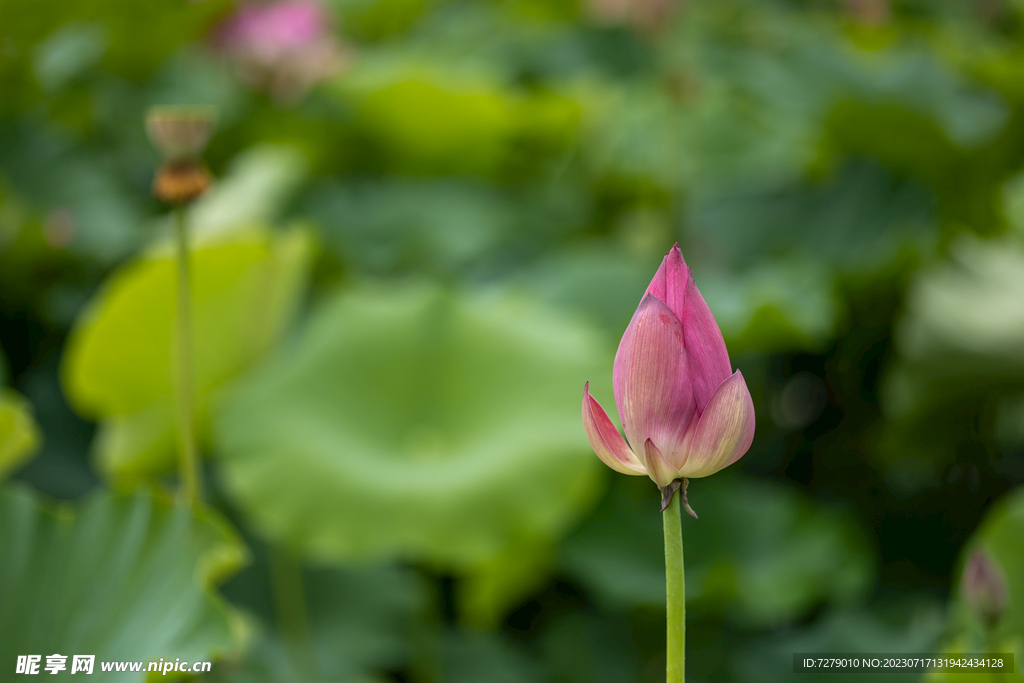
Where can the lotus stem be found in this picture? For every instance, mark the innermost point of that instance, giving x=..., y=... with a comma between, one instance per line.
x=675, y=654
x=290, y=605
x=188, y=460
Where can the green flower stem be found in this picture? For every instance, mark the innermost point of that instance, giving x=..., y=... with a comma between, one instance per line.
x=675, y=655
x=188, y=460
x=426, y=634
x=290, y=605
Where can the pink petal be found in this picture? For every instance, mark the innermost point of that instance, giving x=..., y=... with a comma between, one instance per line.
x=725, y=429
x=705, y=349
x=269, y=32
x=652, y=379
x=708, y=358
x=658, y=468
x=669, y=283
x=605, y=438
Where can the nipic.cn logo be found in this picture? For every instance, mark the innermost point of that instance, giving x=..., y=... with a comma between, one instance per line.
x=85, y=664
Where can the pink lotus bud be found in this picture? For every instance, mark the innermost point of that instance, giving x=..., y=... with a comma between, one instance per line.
x=284, y=47
x=684, y=411
x=983, y=587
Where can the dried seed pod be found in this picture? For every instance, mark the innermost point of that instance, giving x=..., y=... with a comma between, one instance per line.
x=180, y=182
x=181, y=133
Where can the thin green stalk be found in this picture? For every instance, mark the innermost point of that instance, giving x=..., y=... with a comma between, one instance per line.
x=188, y=459
x=427, y=633
x=290, y=605
x=675, y=668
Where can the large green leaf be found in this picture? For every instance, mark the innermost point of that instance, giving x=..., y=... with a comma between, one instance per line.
x=422, y=423
x=122, y=578
x=259, y=182
x=425, y=117
x=19, y=434
x=118, y=366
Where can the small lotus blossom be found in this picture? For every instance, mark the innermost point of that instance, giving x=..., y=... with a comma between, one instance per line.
x=983, y=587
x=685, y=413
x=284, y=47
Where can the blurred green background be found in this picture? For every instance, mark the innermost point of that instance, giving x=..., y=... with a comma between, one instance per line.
x=431, y=223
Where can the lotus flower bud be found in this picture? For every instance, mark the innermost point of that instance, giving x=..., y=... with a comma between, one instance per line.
x=983, y=587
x=685, y=413
x=181, y=134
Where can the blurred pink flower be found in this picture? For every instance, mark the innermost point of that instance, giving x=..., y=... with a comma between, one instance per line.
x=283, y=47
x=686, y=414
x=646, y=15
x=59, y=227
x=869, y=12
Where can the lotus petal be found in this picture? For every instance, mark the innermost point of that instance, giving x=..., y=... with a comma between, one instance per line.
x=605, y=438
x=651, y=377
x=705, y=348
x=670, y=282
x=724, y=431
x=658, y=467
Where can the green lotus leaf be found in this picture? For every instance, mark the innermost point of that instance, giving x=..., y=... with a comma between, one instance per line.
x=421, y=423
x=124, y=578
x=257, y=185
x=19, y=434
x=118, y=366
x=427, y=119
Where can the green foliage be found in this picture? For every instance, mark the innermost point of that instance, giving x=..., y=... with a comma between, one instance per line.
x=55, y=33
x=960, y=344
x=359, y=621
x=843, y=177
x=422, y=423
x=123, y=578
x=119, y=366
x=425, y=121
x=19, y=435
x=384, y=226
x=999, y=535
x=910, y=625
x=760, y=550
